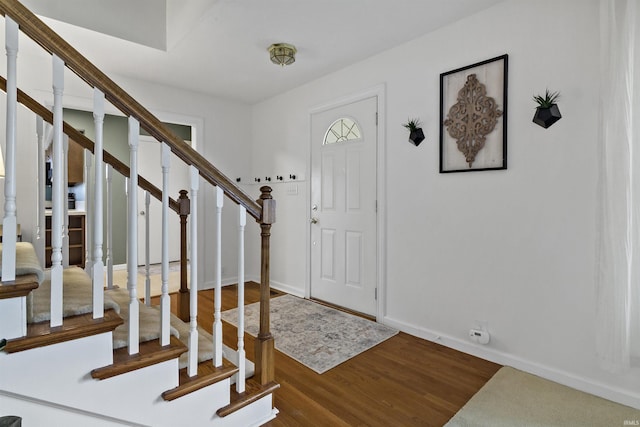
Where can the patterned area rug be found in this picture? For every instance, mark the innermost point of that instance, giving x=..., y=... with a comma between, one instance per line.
x=319, y=337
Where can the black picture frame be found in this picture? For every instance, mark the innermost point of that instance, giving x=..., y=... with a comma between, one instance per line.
x=493, y=74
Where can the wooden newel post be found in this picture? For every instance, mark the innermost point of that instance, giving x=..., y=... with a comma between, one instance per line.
x=183, y=295
x=265, y=357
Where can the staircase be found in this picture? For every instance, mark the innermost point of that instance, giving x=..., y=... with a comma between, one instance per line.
x=80, y=351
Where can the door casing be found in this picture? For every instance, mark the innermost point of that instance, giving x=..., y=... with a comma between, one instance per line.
x=379, y=93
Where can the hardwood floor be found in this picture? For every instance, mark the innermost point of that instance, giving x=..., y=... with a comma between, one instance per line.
x=404, y=381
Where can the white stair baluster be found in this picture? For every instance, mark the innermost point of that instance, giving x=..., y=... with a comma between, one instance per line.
x=9, y=223
x=97, y=271
x=109, y=256
x=58, y=196
x=192, y=368
x=132, y=238
x=240, y=379
x=147, y=250
x=217, y=323
x=89, y=206
x=165, y=301
x=65, y=217
x=39, y=242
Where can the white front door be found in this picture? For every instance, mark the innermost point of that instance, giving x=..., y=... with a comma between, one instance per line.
x=150, y=167
x=343, y=206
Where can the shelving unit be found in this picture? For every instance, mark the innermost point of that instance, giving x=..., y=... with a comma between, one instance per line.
x=75, y=162
x=76, y=240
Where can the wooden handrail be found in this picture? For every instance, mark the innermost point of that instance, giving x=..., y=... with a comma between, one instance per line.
x=39, y=32
x=85, y=142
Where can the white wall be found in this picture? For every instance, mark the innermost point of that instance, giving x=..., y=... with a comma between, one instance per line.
x=514, y=248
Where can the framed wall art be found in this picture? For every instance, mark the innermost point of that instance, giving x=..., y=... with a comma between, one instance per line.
x=473, y=117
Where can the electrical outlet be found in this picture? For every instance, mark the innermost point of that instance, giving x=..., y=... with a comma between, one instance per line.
x=480, y=332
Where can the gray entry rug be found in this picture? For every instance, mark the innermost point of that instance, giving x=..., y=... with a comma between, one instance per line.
x=516, y=398
x=319, y=337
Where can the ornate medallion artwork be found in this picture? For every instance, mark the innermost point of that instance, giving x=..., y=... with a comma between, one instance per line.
x=472, y=118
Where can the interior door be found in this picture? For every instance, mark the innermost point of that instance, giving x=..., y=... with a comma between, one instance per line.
x=150, y=167
x=343, y=206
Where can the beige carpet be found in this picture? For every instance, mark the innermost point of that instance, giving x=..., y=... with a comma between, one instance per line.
x=515, y=398
x=120, y=280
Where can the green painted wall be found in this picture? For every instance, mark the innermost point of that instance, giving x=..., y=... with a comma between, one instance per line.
x=115, y=142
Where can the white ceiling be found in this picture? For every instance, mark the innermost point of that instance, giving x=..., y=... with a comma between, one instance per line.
x=219, y=47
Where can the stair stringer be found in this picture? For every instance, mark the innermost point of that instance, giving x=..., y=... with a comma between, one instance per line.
x=59, y=374
x=35, y=412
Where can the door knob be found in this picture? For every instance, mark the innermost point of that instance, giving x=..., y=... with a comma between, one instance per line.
x=142, y=212
x=313, y=220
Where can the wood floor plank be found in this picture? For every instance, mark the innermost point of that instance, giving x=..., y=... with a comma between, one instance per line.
x=403, y=381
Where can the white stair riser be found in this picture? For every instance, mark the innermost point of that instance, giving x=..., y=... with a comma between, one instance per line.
x=13, y=317
x=60, y=374
x=36, y=412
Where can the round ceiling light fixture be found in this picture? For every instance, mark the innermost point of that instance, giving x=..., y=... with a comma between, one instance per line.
x=282, y=53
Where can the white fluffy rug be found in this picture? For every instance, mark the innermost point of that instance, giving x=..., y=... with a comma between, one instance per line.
x=120, y=280
x=319, y=337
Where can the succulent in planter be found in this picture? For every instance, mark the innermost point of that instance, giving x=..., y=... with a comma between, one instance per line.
x=416, y=135
x=547, y=112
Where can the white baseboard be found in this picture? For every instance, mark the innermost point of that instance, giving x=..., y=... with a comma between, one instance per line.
x=226, y=281
x=616, y=394
x=282, y=287
x=286, y=288
x=124, y=266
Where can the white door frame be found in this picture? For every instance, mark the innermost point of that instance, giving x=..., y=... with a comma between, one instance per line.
x=381, y=173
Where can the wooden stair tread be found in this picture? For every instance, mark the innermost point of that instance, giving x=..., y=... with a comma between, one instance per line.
x=74, y=327
x=207, y=375
x=20, y=287
x=150, y=353
x=253, y=392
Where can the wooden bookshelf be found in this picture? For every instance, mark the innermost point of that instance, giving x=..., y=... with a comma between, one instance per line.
x=76, y=240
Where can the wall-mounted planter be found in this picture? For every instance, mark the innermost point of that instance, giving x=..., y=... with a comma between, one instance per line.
x=547, y=112
x=545, y=117
x=416, y=136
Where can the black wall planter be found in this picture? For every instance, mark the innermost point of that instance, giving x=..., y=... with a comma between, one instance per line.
x=416, y=137
x=545, y=117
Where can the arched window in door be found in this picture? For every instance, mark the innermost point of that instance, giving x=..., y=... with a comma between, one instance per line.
x=343, y=129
